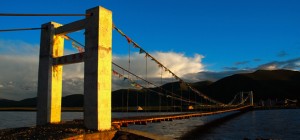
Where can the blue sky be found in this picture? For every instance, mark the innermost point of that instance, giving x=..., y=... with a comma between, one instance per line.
x=224, y=32
x=216, y=38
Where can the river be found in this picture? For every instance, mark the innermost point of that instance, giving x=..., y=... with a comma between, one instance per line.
x=267, y=124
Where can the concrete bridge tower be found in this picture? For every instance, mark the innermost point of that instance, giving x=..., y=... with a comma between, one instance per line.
x=97, y=69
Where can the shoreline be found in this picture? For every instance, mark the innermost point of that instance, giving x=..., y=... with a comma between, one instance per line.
x=80, y=109
x=70, y=130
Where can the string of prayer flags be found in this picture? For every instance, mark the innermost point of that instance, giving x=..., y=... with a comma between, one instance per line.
x=133, y=83
x=141, y=51
x=80, y=49
x=119, y=31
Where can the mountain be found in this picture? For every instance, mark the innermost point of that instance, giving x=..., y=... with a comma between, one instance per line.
x=265, y=84
x=75, y=100
x=6, y=103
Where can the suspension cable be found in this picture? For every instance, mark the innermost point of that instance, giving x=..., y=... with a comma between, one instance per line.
x=16, y=14
x=147, y=82
x=160, y=64
x=166, y=91
x=20, y=29
x=159, y=93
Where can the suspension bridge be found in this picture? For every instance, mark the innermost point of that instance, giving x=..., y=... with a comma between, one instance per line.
x=99, y=70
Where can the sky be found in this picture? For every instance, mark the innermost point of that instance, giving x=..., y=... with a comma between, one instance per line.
x=198, y=40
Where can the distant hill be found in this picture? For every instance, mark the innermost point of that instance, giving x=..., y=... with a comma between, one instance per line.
x=265, y=84
x=7, y=103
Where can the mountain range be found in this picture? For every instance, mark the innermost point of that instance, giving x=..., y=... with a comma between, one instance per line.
x=265, y=84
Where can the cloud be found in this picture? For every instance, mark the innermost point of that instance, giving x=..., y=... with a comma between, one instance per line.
x=241, y=63
x=292, y=64
x=19, y=69
x=230, y=68
x=176, y=62
x=282, y=54
x=211, y=75
x=256, y=60
x=15, y=47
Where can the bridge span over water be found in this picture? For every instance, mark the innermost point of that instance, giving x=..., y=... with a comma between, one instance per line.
x=99, y=68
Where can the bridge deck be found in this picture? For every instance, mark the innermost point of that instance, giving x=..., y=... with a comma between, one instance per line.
x=143, y=120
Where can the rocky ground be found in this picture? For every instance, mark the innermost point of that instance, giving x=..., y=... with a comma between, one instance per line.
x=65, y=130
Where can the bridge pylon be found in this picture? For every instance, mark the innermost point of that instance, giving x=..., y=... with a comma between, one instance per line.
x=97, y=69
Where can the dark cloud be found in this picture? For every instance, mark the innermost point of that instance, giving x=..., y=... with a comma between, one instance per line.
x=230, y=68
x=282, y=54
x=256, y=60
x=241, y=63
x=212, y=76
x=292, y=64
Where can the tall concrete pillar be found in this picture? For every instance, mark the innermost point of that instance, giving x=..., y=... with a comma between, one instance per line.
x=97, y=69
x=49, y=94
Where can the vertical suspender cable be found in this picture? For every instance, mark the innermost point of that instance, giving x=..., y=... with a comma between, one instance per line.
x=137, y=101
x=128, y=76
x=181, y=96
x=147, y=80
x=161, y=70
x=123, y=105
x=172, y=101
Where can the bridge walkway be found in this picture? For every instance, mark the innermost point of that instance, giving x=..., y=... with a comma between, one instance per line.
x=143, y=120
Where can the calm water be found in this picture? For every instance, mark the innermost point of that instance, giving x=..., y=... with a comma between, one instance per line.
x=271, y=124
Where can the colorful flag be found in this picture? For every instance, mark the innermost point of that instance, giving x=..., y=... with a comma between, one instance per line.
x=80, y=49
x=128, y=39
x=135, y=45
x=115, y=73
x=142, y=51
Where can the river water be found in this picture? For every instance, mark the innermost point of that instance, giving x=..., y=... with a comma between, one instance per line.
x=267, y=124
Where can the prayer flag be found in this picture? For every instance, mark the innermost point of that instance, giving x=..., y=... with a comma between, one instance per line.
x=128, y=39
x=142, y=51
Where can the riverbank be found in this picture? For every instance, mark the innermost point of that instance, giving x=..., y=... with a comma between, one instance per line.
x=80, y=109
x=75, y=129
